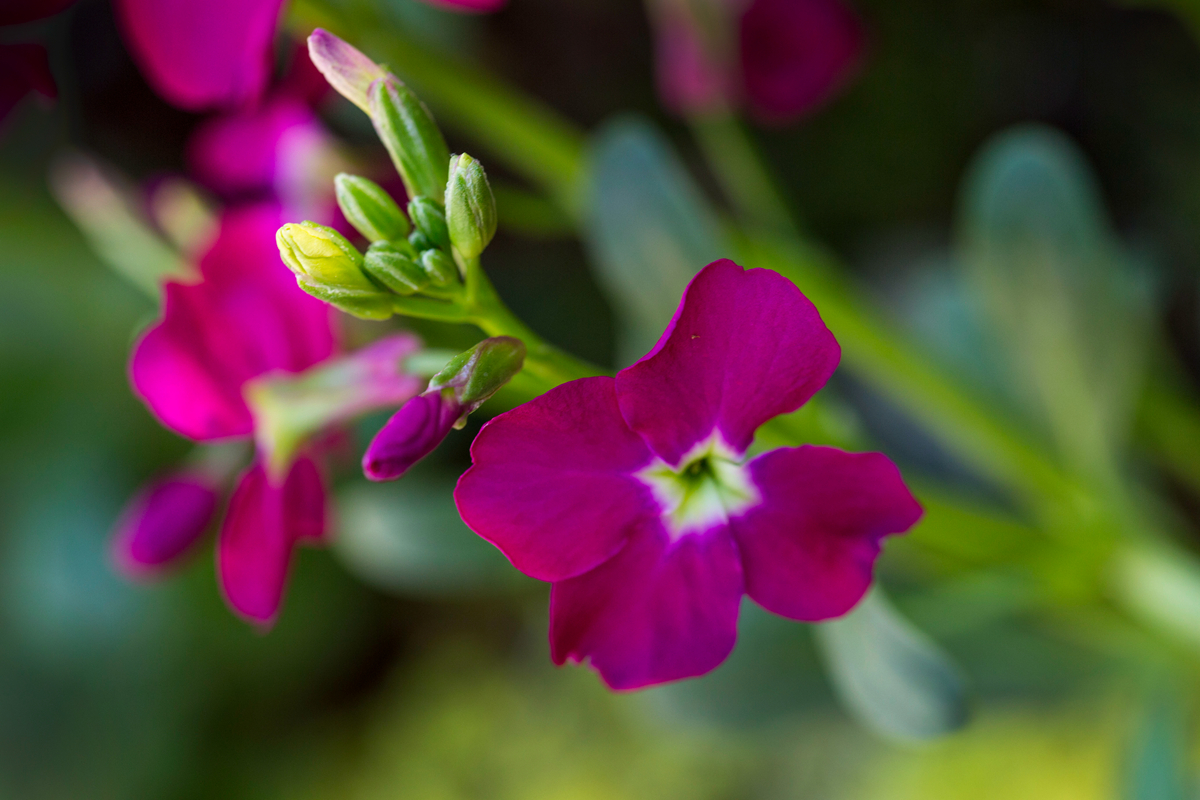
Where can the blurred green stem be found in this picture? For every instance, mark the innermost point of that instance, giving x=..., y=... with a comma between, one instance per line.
x=735, y=160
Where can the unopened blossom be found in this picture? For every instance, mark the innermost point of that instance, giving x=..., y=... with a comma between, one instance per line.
x=634, y=497
x=245, y=325
x=202, y=54
x=780, y=58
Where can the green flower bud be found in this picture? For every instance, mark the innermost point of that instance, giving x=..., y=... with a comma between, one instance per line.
x=370, y=209
x=439, y=267
x=470, y=207
x=321, y=255
x=395, y=268
x=476, y=375
x=362, y=303
x=430, y=220
x=411, y=137
x=420, y=242
x=327, y=266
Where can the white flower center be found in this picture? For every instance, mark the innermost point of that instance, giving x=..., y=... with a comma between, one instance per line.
x=709, y=486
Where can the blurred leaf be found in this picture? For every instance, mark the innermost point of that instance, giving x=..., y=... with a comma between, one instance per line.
x=407, y=537
x=1161, y=587
x=649, y=228
x=1060, y=294
x=108, y=216
x=890, y=674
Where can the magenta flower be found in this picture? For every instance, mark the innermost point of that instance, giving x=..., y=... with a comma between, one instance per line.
x=786, y=58
x=240, y=331
x=278, y=150
x=633, y=497
x=245, y=318
x=24, y=68
x=202, y=54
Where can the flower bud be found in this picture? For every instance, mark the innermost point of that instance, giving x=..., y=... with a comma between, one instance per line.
x=327, y=266
x=430, y=221
x=395, y=268
x=477, y=374
x=163, y=522
x=348, y=71
x=412, y=433
x=440, y=268
x=470, y=207
x=422, y=423
x=420, y=242
x=411, y=137
x=370, y=209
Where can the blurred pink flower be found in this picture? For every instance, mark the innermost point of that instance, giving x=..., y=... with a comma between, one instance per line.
x=784, y=58
x=202, y=54
x=244, y=320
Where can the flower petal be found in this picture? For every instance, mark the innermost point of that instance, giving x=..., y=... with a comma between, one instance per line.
x=551, y=482
x=743, y=347
x=304, y=500
x=242, y=153
x=808, y=549
x=655, y=612
x=201, y=54
x=162, y=523
x=262, y=525
x=246, y=317
x=796, y=54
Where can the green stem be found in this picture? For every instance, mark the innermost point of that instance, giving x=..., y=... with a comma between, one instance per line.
x=738, y=167
x=550, y=365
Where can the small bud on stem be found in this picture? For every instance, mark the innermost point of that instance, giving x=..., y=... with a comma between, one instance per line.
x=411, y=137
x=370, y=209
x=470, y=207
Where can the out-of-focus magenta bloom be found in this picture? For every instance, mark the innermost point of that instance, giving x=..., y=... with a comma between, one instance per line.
x=24, y=68
x=789, y=57
x=244, y=320
x=246, y=317
x=163, y=522
x=470, y=6
x=278, y=150
x=202, y=54
x=18, y=12
x=265, y=521
x=632, y=496
x=412, y=433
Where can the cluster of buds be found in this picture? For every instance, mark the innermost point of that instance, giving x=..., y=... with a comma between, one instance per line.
x=451, y=215
x=423, y=262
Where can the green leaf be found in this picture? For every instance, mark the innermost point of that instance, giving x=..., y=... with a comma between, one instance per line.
x=1059, y=292
x=649, y=229
x=890, y=675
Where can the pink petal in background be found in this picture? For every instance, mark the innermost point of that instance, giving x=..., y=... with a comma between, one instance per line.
x=202, y=54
